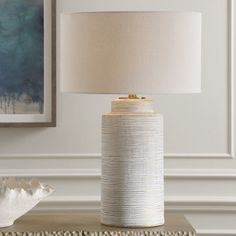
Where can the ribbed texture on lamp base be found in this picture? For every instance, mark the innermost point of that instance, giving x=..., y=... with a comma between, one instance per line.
x=132, y=166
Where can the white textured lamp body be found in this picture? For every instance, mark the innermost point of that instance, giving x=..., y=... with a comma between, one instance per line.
x=132, y=165
x=131, y=53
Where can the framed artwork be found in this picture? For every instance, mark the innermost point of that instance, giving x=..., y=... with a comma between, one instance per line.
x=27, y=63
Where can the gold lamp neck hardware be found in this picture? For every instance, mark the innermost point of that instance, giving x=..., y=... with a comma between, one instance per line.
x=132, y=96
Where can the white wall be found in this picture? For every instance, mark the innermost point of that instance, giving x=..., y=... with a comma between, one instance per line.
x=199, y=131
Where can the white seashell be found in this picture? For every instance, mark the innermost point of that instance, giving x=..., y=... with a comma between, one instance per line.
x=18, y=197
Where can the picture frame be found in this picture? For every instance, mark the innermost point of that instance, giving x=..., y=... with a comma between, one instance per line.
x=28, y=73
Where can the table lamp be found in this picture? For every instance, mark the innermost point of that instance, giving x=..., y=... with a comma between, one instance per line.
x=131, y=53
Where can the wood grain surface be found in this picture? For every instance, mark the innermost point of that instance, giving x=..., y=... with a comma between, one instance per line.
x=73, y=223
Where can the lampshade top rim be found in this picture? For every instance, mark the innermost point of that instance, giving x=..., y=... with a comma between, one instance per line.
x=131, y=12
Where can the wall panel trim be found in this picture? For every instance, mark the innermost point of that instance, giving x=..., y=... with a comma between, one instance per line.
x=181, y=204
x=88, y=156
x=231, y=74
x=96, y=173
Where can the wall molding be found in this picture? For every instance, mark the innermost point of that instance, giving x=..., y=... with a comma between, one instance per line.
x=39, y=156
x=231, y=75
x=213, y=232
x=201, y=173
x=172, y=204
x=96, y=173
x=89, y=156
x=53, y=173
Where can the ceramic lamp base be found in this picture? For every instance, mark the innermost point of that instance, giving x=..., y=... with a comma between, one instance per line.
x=132, y=165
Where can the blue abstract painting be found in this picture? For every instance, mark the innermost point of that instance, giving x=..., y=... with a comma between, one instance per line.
x=21, y=56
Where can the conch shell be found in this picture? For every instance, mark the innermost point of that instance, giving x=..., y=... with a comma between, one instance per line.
x=18, y=197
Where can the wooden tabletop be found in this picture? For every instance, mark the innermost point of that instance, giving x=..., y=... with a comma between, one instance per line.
x=74, y=224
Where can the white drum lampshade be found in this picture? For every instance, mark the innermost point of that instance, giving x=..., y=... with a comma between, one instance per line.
x=131, y=53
